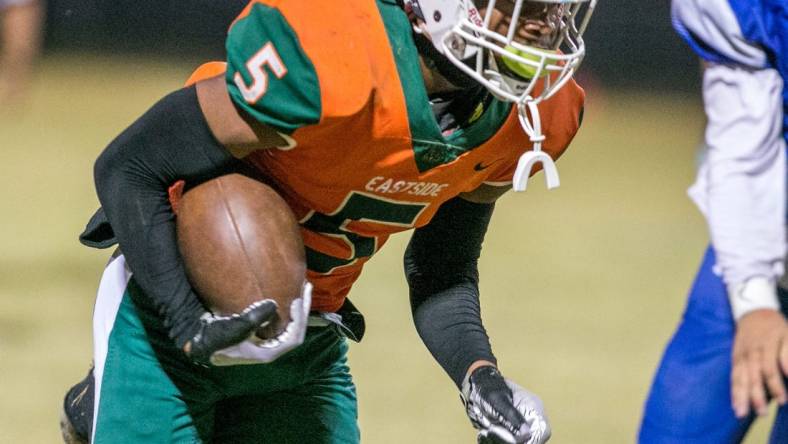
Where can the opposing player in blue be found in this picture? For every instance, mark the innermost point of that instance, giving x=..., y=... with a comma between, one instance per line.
x=729, y=357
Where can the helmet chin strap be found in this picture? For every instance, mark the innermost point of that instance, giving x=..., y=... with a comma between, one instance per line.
x=533, y=127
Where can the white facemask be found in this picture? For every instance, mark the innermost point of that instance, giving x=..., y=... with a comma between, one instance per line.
x=523, y=70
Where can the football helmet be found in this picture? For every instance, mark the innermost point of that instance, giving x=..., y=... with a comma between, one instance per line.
x=522, y=51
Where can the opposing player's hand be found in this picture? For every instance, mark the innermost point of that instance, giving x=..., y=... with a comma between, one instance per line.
x=253, y=350
x=502, y=411
x=760, y=361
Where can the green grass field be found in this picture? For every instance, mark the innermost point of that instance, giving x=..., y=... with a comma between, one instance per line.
x=581, y=286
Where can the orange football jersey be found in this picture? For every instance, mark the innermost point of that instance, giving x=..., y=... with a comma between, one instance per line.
x=366, y=156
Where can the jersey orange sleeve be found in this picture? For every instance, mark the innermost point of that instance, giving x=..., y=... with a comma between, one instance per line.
x=206, y=71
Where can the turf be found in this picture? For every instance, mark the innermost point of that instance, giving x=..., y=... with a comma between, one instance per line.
x=581, y=286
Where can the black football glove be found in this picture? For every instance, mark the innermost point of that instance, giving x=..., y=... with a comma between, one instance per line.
x=219, y=332
x=502, y=411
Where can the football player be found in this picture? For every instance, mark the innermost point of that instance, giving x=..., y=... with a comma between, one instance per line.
x=369, y=118
x=20, y=39
x=729, y=356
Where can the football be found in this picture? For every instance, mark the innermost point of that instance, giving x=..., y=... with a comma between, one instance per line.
x=241, y=243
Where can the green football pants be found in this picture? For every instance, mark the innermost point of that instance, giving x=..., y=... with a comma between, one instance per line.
x=148, y=392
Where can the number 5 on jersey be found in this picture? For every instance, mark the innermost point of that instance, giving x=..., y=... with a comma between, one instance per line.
x=256, y=64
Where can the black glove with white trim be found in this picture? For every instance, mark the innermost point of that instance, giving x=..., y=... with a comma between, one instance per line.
x=219, y=332
x=502, y=411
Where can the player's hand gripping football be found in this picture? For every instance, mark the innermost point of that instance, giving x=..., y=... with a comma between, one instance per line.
x=760, y=361
x=230, y=340
x=502, y=411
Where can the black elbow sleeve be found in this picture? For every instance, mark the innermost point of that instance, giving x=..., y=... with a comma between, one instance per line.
x=441, y=269
x=170, y=142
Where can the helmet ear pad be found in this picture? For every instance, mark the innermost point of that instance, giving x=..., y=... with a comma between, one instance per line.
x=446, y=68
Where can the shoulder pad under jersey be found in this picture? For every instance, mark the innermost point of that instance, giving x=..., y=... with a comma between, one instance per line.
x=292, y=63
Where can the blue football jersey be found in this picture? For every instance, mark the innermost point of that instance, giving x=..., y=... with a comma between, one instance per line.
x=751, y=33
x=740, y=188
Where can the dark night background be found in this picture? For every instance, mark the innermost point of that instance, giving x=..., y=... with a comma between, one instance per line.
x=627, y=46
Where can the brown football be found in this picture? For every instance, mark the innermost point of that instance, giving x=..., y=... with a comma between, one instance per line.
x=241, y=243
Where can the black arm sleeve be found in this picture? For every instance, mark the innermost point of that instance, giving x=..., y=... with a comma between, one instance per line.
x=170, y=142
x=441, y=268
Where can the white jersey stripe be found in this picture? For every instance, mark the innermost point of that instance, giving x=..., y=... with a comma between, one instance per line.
x=110, y=294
